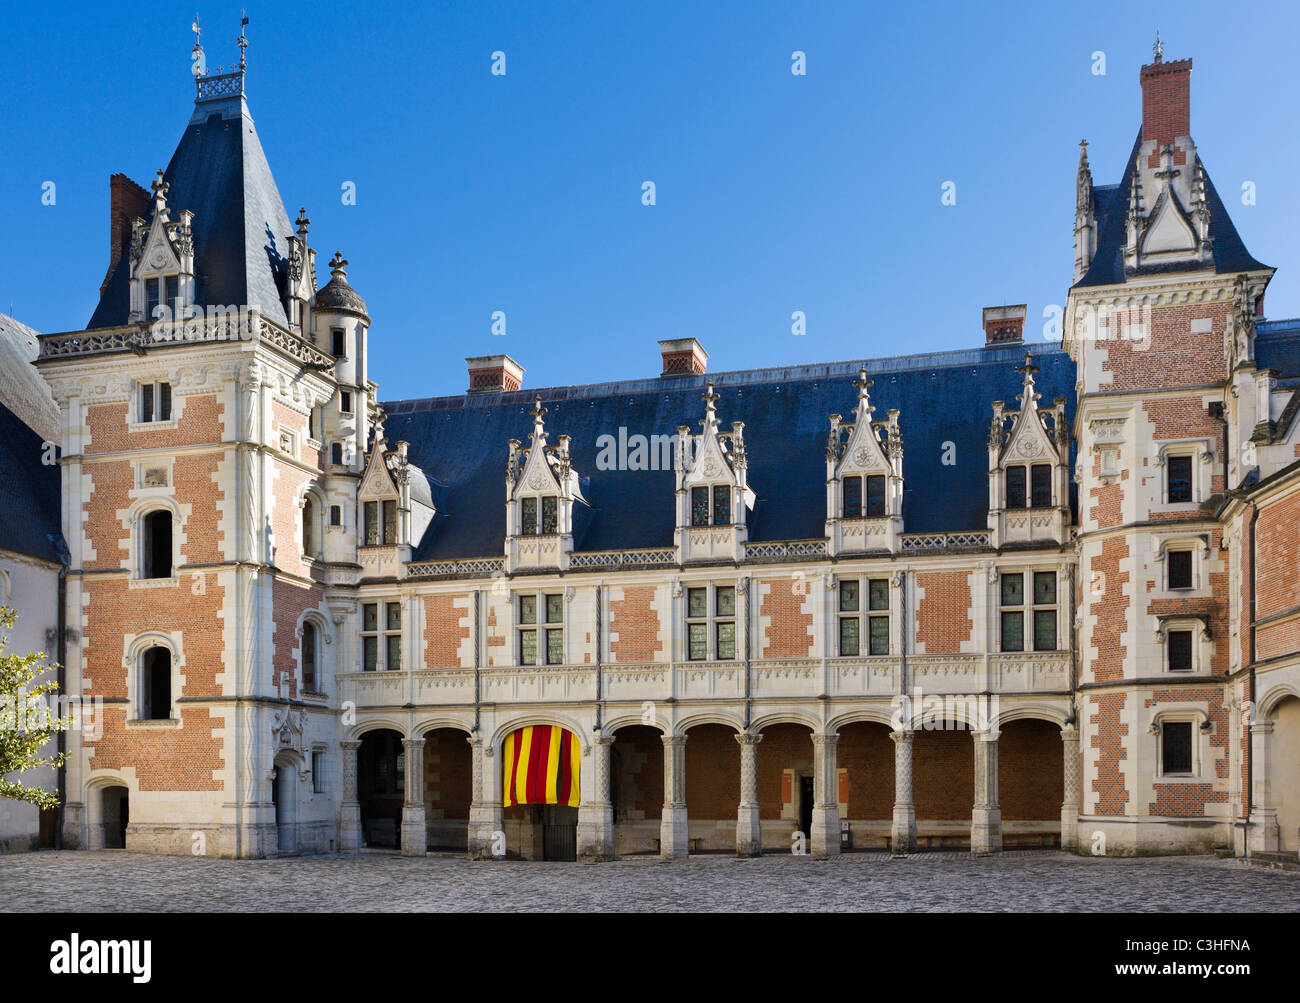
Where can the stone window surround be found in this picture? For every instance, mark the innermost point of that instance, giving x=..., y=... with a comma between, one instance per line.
x=540, y=626
x=1197, y=449
x=864, y=612
x=1199, y=545
x=1183, y=712
x=320, y=511
x=152, y=500
x=381, y=632
x=324, y=639
x=711, y=619
x=1202, y=637
x=1027, y=607
x=133, y=402
x=134, y=647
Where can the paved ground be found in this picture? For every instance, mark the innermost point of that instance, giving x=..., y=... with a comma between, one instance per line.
x=113, y=881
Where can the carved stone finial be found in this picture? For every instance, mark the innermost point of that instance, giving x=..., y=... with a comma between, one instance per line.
x=302, y=222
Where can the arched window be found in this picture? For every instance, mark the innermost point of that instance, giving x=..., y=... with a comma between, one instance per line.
x=309, y=657
x=308, y=527
x=157, y=540
x=156, y=684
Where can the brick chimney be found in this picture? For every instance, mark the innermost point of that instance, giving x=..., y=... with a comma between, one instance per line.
x=683, y=356
x=1166, y=101
x=1004, y=325
x=126, y=201
x=499, y=373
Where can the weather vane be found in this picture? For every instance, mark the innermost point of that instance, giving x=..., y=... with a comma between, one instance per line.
x=197, y=52
x=243, y=40
x=1158, y=49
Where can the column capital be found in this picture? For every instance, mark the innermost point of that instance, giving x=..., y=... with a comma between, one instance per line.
x=673, y=740
x=1069, y=733
x=748, y=737
x=349, y=745
x=413, y=743
x=1261, y=727
x=824, y=739
x=987, y=735
x=602, y=738
x=898, y=737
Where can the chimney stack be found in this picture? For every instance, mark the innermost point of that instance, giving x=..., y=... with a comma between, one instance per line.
x=1166, y=101
x=683, y=356
x=126, y=201
x=494, y=373
x=1004, y=325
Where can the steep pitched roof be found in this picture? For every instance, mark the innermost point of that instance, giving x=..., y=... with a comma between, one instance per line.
x=30, y=493
x=1110, y=207
x=22, y=389
x=220, y=173
x=460, y=442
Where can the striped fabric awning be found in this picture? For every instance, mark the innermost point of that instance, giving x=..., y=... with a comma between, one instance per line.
x=541, y=766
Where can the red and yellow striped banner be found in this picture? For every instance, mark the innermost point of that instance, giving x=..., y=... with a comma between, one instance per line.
x=541, y=766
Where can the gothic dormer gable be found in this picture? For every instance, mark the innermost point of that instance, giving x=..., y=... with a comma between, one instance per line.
x=1168, y=229
x=378, y=481
x=1029, y=437
x=541, y=488
x=857, y=447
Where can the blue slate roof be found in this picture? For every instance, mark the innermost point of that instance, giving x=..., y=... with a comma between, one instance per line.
x=220, y=173
x=30, y=498
x=460, y=443
x=1277, y=346
x=1110, y=206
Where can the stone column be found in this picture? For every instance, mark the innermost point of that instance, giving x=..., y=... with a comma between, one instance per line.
x=674, y=835
x=749, y=830
x=1265, y=831
x=350, y=835
x=903, y=831
x=487, y=838
x=415, y=833
x=825, y=835
x=986, y=816
x=1070, y=802
x=595, y=812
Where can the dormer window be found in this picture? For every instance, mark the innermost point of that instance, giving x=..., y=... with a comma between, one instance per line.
x=711, y=507
x=380, y=531
x=550, y=509
x=1039, y=484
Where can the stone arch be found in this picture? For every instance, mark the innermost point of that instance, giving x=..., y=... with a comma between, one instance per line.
x=107, y=801
x=636, y=782
x=288, y=766
x=370, y=724
x=447, y=784
x=1035, y=712
x=860, y=716
x=1031, y=776
x=325, y=638
x=1284, y=765
x=138, y=520
x=723, y=718
x=381, y=784
x=1269, y=702
x=865, y=761
x=786, y=717
x=135, y=649
x=422, y=729
x=634, y=720
x=544, y=719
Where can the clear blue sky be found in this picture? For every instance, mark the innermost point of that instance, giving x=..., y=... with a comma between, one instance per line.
x=775, y=192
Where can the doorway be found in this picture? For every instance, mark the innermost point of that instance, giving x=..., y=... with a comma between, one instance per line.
x=559, y=832
x=115, y=809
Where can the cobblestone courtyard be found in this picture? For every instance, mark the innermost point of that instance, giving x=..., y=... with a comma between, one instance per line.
x=115, y=881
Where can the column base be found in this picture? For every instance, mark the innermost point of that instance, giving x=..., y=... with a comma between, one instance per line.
x=415, y=832
x=1265, y=834
x=73, y=825
x=749, y=832
x=487, y=836
x=350, y=836
x=596, y=832
x=674, y=840
x=825, y=836
x=1070, y=829
x=902, y=833
x=986, y=830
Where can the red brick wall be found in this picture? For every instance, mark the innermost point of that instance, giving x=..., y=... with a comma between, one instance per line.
x=867, y=753
x=943, y=775
x=289, y=600
x=784, y=747
x=712, y=772
x=1166, y=102
x=199, y=423
x=1031, y=771
x=1189, y=800
x=944, y=611
x=446, y=625
x=1110, y=611
x=1171, y=356
x=636, y=624
x=1110, y=786
x=788, y=632
x=1277, y=534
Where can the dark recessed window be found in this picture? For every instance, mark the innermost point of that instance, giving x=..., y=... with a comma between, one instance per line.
x=1041, y=485
x=1180, y=569
x=721, y=505
x=158, y=544
x=1015, y=487
x=309, y=657
x=852, y=497
x=156, y=668
x=1179, y=643
x=345, y=401
x=1180, y=478
x=336, y=515
x=550, y=515
x=1176, y=747
x=338, y=343
x=699, y=506
x=875, y=497
x=336, y=453
x=156, y=402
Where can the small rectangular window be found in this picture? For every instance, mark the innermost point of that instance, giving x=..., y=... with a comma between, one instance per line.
x=338, y=343
x=528, y=517
x=1041, y=485
x=555, y=609
x=879, y=627
x=1180, y=569
x=1013, y=590
x=1044, y=588
x=336, y=453
x=174, y=295
x=370, y=616
x=726, y=601
x=528, y=647
x=393, y=653
x=1180, y=478
x=699, y=506
x=336, y=515
x=318, y=772
x=345, y=401
x=1015, y=487
x=697, y=602
x=875, y=497
x=721, y=505
x=371, y=510
x=698, y=636
x=1013, y=630
x=390, y=522
x=146, y=402
x=1176, y=747
x=528, y=609
x=726, y=641
x=1044, y=630
x=852, y=497
x=151, y=298
x=878, y=595
x=550, y=515
x=849, y=597
x=848, y=635
x=1179, y=643
x=370, y=652
x=155, y=402
x=555, y=647
x=393, y=616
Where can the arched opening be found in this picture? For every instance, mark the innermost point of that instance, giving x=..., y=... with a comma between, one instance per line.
x=156, y=684
x=865, y=785
x=1031, y=782
x=943, y=784
x=115, y=815
x=309, y=527
x=1284, y=763
x=381, y=786
x=712, y=786
x=636, y=788
x=448, y=778
x=157, y=540
x=284, y=795
x=785, y=785
x=540, y=766
x=309, y=676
